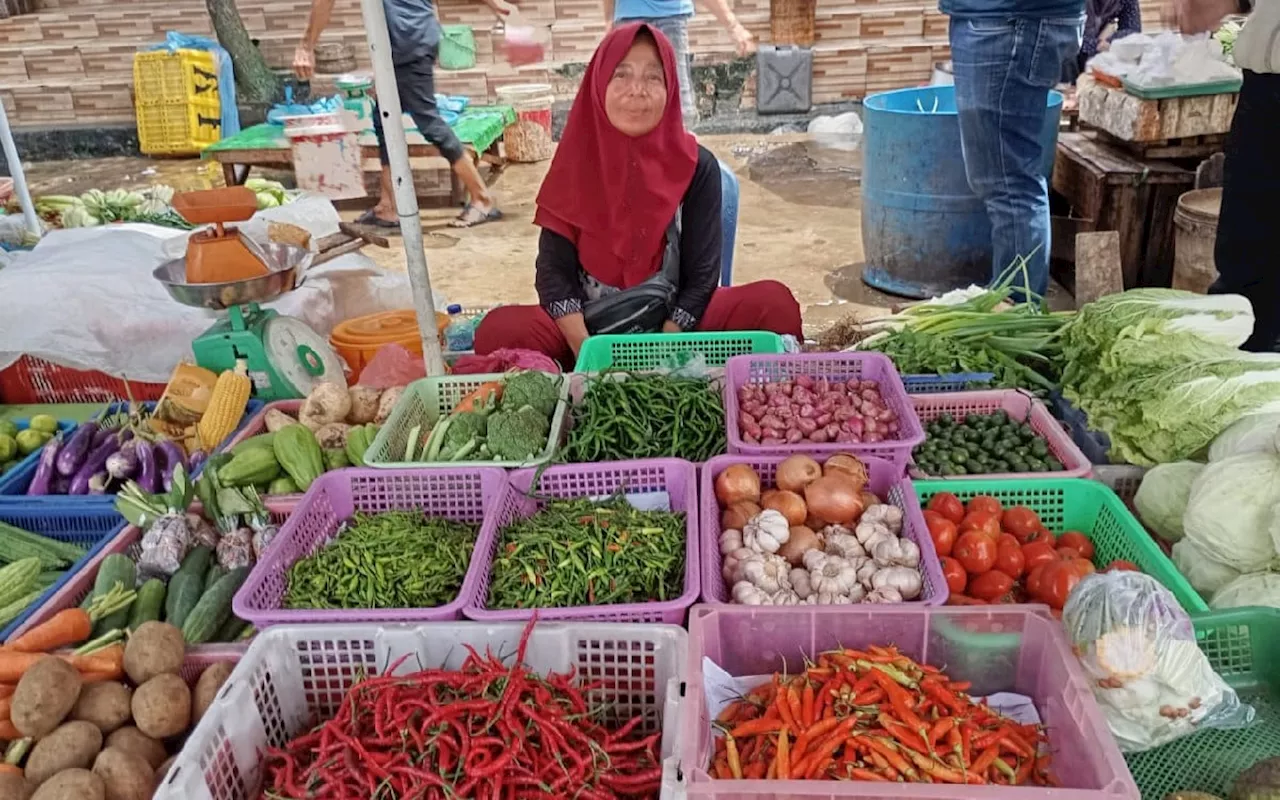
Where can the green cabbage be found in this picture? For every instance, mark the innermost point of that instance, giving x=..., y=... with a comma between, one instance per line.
x=1254, y=433
x=1204, y=574
x=1231, y=514
x=1162, y=497
x=1254, y=589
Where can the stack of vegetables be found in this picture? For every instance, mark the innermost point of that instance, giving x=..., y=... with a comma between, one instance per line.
x=803, y=410
x=31, y=564
x=625, y=415
x=507, y=420
x=982, y=444
x=16, y=445
x=101, y=720
x=152, y=205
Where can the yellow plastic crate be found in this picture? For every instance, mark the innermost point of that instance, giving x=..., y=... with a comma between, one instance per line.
x=178, y=129
x=181, y=76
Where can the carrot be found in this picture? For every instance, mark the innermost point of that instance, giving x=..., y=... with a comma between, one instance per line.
x=9, y=733
x=479, y=397
x=67, y=627
x=107, y=661
x=10, y=769
x=13, y=665
x=7, y=689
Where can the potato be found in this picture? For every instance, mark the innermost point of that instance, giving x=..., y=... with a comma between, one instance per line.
x=70, y=746
x=163, y=772
x=45, y=695
x=333, y=435
x=72, y=784
x=162, y=706
x=135, y=741
x=13, y=786
x=207, y=688
x=364, y=404
x=125, y=776
x=328, y=402
x=277, y=419
x=155, y=648
x=105, y=704
x=387, y=403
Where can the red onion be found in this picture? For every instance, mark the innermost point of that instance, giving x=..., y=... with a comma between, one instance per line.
x=819, y=410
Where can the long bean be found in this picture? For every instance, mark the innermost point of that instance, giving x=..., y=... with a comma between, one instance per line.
x=396, y=559
x=625, y=416
x=582, y=552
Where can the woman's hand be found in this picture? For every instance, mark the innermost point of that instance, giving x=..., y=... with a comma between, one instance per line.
x=671, y=327
x=574, y=328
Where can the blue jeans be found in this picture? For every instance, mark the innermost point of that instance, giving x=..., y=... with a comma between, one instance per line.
x=1004, y=69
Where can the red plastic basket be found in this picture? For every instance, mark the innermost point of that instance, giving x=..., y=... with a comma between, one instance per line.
x=31, y=380
x=677, y=478
x=457, y=494
x=751, y=369
x=1021, y=407
x=1028, y=655
x=884, y=480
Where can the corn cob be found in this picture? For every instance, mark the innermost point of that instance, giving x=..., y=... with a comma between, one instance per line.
x=226, y=406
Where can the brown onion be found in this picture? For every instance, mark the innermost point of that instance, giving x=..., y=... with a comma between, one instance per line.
x=796, y=473
x=843, y=464
x=802, y=540
x=833, y=500
x=738, y=515
x=868, y=499
x=736, y=484
x=789, y=504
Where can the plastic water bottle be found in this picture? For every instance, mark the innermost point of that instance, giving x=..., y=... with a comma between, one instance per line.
x=460, y=334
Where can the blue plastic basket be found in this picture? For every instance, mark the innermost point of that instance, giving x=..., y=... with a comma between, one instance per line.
x=90, y=526
x=951, y=382
x=13, y=475
x=1094, y=444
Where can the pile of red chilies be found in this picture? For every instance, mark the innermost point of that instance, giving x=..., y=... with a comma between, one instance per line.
x=487, y=731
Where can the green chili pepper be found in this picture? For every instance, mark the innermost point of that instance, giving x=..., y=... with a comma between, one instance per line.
x=625, y=416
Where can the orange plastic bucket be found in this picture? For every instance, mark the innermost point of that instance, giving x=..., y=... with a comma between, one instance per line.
x=357, y=340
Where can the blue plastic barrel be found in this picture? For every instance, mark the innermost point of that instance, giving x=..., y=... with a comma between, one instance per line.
x=924, y=232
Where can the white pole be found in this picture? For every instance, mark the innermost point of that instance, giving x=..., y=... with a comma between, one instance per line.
x=384, y=81
x=19, y=178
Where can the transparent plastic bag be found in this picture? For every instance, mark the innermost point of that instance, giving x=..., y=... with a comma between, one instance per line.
x=392, y=365
x=1138, y=650
x=164, y=545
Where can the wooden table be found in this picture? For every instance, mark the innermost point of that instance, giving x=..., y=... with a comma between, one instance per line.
x=1110, y=189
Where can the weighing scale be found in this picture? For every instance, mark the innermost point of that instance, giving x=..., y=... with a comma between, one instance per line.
x=286, y=358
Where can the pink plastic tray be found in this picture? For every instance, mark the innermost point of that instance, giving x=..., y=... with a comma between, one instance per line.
x=1019, y=649
x=885, y=481
x=742, y=370
x=257, y=425
x=677, y=478
x=458, y=494
x=1020, y=406
x=127, y=541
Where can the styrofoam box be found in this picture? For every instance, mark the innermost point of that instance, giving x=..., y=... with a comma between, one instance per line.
x=293, y=676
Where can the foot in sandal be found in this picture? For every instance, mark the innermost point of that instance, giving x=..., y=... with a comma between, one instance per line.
x=476, y=213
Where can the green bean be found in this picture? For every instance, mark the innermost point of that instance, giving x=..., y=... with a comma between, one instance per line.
x=625, y=416
x=588, y=553
x=396, y=559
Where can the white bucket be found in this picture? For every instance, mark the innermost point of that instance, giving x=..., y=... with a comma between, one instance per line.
x=326, y=155
x=529, y=139
x=942, y=75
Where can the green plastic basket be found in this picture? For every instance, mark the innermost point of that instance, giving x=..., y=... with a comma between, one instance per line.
x=430, y=399
x=647, y=351
x=1243, y=646
x=1086, y=506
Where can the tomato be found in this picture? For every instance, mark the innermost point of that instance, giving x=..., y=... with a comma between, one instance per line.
x=964, y=600
x=1059, y=578
x=976, y=552
x=1067, y=552
x=1009, y=557
x=1038, y=535
x=1077, y=541
x=955, y=574
x=1119, y=565
x=1036, y=553
x=943, y=533
x=1020, y=521
x=983, y=522
x=1034, y=579
x=985, y=502
x=990, y=586
x=948, y=505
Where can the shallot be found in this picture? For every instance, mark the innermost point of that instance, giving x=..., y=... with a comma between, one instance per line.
x=815, y=410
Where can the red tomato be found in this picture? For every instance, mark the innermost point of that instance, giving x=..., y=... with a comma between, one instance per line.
x=1009, y=557
x=948, y=505
x=1120, y=564
x=955, y=574
x=1060, y=578
x=990, y=586
x=964, y=600
x=1021, y=521
x=1036, y=553
x=985, y=502
x=1077, y=541
x=943, y=533
x=1033, y=582
x=1038, y=535
x=975, y=551
x=983, y=522
x=1067, y=552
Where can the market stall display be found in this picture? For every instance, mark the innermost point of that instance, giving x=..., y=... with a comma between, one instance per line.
x=638, y=353
x=21, y=441
x=663, y=416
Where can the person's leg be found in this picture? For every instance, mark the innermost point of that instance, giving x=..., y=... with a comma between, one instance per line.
x=759, y=306
x=526, y=328
x=1246, y=239
x=382, y=215
x=1003, y=72
x=677, y=30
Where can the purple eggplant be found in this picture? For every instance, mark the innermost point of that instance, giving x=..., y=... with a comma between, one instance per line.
x=60, y=484
x=77, y=448
x=148, y=475
x=168, y=456
x=123, y=463
x=101, y=435
x=95, y=462
x=196, y=461
x=42, y=482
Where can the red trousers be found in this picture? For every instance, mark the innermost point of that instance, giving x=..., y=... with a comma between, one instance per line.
x=759, y=306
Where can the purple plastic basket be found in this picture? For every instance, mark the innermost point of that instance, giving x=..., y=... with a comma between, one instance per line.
x=457, y=494
x=884, y=479
x=677, y=478
x=1028, y=653
x=753, y=369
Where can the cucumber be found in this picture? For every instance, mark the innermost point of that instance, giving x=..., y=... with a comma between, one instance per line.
x=186, y=585
x=149, y=603
x=230, y=630
x=115, y=569
x=211, y=576
x=214, y=608
x=196, y=561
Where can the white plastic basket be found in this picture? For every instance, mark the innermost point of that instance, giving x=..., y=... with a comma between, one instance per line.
x=295, y=676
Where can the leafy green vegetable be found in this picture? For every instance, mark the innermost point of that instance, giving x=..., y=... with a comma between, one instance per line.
x=924, y=354
x=1161, y=500
x=464, y=427
x=518, y=435
x=1232, y=515
x=530, y=388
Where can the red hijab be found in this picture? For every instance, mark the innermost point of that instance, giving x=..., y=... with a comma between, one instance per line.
x=614, y=195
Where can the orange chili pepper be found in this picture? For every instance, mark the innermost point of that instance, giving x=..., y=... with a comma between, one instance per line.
x=784, y=711
x=754, y=771
x=861, y=774
x=984, y=761
x=735, y=764
x=756, y=727
x=782, y=760
x=893, y=757
x=806, y=704
x=940, y=729
x=939, y=772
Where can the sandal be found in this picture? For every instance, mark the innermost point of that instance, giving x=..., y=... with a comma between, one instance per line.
x=372, y=220
x=473, y=215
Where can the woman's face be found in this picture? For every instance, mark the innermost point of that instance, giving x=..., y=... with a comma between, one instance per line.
x=637, y=91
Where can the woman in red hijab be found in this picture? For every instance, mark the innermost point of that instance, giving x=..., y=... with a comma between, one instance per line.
x=630, y=218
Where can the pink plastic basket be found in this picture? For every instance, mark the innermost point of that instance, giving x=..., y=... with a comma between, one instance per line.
x=752, y=369
x=677, y=478
x=257, y=425
x=128, y=542
x=1021, y=407
x=1027, y=653
x=458, y=494
x=884, y=480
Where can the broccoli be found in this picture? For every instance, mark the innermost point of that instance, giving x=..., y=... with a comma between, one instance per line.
x=517, y=435
x=464, y=428
x=531, y=388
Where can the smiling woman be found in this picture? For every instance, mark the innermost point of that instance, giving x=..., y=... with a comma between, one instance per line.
x=630, y=212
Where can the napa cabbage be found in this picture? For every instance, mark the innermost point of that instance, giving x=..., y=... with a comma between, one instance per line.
x=1254, y=433
x=1231, y=515
x=1204, y=574
x=1254, y=589
x=1162, y=498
